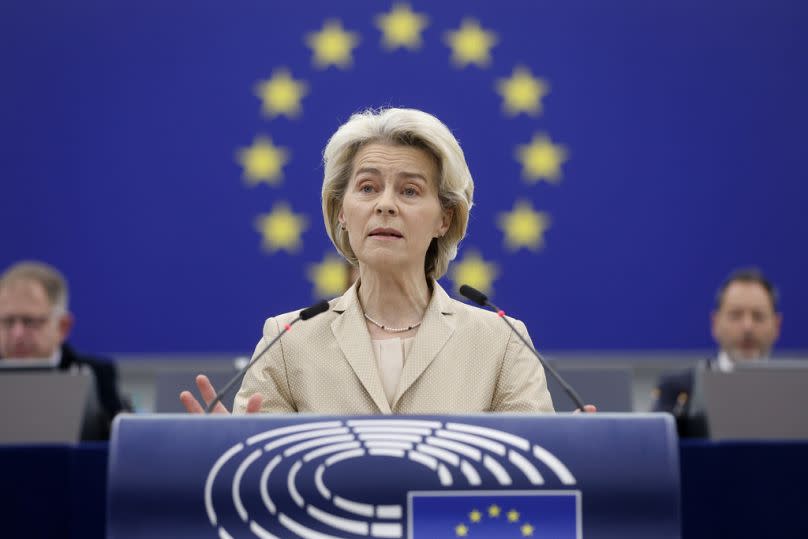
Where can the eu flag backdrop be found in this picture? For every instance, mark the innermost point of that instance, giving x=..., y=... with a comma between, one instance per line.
x=626, y=155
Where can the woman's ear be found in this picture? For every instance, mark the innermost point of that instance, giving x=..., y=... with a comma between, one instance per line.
x=446, y=221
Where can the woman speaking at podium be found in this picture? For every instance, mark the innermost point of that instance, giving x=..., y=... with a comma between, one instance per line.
x=396, y=198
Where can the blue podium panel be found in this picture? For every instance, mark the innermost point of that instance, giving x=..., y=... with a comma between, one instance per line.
x=319, y=477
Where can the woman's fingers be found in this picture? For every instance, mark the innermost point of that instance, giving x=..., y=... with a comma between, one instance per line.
x=254, y=403
x=192, y=405
x=588, y=409
x=209, y=393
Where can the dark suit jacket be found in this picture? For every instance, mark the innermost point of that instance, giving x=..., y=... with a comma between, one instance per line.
x=674, y=394
x=98, y=420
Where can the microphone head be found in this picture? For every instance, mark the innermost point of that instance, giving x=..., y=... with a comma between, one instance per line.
x=474, y=295
x=314, y=310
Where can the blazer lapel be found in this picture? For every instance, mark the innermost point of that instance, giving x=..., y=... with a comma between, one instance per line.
x=351, y=333
x=436, y=328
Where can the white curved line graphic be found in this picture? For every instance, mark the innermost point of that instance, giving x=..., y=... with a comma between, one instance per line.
x=293, y=428
x=497, y=470
x=444, y=475
x=261, y=532
x=271, y=446
x=212, y=476
x=265, y=482
x=383, y=529
x=554, y=464
x=386, y=453
x=344, y=455
x=467, y=448
x=471, y=473
x=361, y=509
x=388, y=511
x=442, y=454
x=303, y=531
x=390, y=437
x=457, y=447
x=527, y=468
x=290, y=484
x=327, y=440
x=426, y=460
x=345, y=524
x=235, y=487
x=329, y=449
x=506, y=437
x=485, y=443
x=395, y=423
x=318, y=481
x=406, y=446
x=393, y=430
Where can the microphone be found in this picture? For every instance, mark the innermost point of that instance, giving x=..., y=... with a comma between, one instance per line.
x=305, y=314
x=481, y=299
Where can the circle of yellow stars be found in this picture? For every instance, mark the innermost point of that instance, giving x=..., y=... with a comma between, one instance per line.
x=493, y=512
x=333, y=45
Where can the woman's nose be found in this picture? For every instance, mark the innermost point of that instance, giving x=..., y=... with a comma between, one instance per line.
x=386, y=204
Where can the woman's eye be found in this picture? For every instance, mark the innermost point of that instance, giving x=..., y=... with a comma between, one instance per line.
x=410, y=191
x=366, y=188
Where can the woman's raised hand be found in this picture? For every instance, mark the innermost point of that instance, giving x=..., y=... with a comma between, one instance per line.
x=208, y=393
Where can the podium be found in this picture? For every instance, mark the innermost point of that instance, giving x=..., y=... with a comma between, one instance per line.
x=321, y=477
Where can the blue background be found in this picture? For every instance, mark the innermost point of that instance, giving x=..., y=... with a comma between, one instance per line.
x=685, y=123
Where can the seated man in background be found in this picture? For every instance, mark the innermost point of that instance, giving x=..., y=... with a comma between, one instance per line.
x=745, y=324
x=34, y=325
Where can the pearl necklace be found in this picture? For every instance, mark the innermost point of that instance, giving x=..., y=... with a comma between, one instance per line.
x=391, y=330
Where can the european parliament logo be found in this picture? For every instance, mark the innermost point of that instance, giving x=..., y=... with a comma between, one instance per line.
x=433, y=479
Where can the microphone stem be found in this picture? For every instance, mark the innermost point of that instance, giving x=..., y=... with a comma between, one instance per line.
x=564, y=385
x=220, y=395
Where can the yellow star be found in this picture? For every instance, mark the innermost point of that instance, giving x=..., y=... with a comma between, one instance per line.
x=281, y=94
x=330, y=277
x=461, y=530
x=475, y=516
x=401, y=27
x=513, y=515
x=262, y=161
x=475, y=272
x=471, y=44
x=332, y=45
x=541, y=159
x=281, y=228
x=527, y=530
x=494, y=511
x=522, y=92
x=524, y=227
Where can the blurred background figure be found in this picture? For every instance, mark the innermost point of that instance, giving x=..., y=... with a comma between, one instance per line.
x=34, y=325
x=745, y=325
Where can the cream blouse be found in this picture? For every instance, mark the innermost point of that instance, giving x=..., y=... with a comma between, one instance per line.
x=390, y=355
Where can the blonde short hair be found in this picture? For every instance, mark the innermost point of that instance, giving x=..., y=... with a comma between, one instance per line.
x=50, y=278
x=407, y=127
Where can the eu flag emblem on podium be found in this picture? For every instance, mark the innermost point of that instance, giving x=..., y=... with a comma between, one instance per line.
x=492, y=514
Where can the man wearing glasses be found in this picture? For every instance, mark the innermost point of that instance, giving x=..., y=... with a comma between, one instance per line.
x=34, y=325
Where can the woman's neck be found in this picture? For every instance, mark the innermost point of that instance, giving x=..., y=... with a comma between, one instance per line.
x=396, y=301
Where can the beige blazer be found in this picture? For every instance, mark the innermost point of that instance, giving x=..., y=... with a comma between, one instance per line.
x=463, y=360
